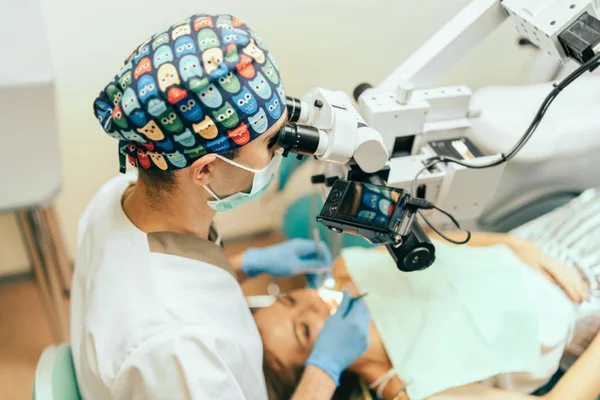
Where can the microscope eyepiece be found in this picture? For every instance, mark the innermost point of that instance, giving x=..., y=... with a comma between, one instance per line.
x=299, y=139
x=294, y=108
x=360, y=89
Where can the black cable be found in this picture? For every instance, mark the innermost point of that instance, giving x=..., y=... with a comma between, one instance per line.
x=431, y=205
x=592, y=63
x=453, y=221
x=537, y=119
x=428, y=165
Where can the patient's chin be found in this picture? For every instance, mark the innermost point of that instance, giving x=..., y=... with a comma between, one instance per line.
x=374, y=356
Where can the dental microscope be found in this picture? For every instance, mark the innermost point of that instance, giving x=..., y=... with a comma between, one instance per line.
x=403, y=148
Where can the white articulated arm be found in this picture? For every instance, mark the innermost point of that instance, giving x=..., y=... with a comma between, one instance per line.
x=448, y=46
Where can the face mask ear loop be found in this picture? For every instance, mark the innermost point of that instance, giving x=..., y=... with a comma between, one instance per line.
x=238, y=165
x=210, y=192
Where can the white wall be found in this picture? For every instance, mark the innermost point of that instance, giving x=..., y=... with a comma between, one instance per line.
x=22, y=22
x=25, y=91
x=335, y=44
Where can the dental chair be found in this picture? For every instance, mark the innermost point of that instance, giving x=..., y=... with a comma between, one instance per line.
x=561, y=159
x=55, y=375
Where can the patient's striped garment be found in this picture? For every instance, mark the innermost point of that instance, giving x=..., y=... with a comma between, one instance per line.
x=571, y=234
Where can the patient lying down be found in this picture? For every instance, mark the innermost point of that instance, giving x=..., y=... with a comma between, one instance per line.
x=491, y=321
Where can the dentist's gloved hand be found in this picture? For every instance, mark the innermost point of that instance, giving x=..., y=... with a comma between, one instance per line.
x=294, y=257
x=343, y=339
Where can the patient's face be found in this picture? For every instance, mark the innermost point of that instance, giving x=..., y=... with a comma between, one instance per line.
x=290, y=327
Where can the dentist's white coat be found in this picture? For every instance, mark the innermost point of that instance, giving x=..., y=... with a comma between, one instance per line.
x=153, y=317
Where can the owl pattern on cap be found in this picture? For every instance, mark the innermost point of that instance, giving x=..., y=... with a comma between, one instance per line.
x=206, y=85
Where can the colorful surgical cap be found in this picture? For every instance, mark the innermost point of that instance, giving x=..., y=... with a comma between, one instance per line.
x=205, y=85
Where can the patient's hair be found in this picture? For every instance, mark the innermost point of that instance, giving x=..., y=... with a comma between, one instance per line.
x=278, y=387
x=282, y=388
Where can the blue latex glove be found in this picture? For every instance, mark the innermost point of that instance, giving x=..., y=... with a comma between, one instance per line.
x=315, y=281
x=343, y=339
x=294, y=257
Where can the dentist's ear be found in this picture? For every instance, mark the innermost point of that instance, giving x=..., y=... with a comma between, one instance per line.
x=202, y=169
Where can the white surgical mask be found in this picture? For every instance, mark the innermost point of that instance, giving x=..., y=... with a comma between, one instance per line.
x=260, y=183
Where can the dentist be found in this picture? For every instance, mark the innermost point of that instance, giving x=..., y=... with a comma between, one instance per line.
x=157, y=310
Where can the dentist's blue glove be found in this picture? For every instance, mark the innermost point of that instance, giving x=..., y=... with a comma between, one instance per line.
x=343, y=339
x=294, y=257
x=316, y=281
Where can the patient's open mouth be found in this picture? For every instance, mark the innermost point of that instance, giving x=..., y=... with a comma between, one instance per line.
x=332, y=299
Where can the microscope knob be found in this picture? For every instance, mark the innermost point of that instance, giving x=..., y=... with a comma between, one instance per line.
x=316, y=179
x=417, y=259
x=360, y=89
x=331, y=180
x=318, y=104
x=299, y=157
x=335, y=195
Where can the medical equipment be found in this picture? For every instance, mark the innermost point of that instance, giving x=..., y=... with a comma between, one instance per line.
x=382, y=215
x=260, y=301
x=412, y=117
x=332, y=130
x=333, y=299
x=352, y=300
x=415, y=137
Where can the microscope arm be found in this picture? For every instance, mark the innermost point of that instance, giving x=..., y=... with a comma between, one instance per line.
x=540, y=21
x=448, y=46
